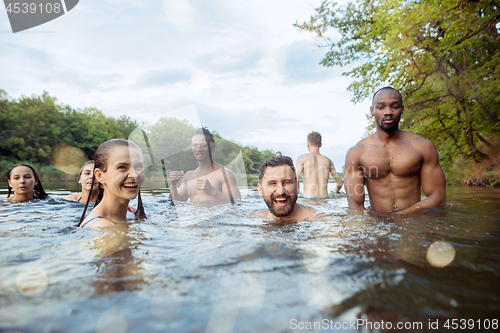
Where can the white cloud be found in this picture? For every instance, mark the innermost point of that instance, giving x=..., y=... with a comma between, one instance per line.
x=253, y=77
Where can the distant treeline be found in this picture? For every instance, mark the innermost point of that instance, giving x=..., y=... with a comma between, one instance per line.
x=31, y=127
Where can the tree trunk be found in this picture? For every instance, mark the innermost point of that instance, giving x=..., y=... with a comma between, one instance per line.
x=470, y=142
x=480, y=137
x=488, y=111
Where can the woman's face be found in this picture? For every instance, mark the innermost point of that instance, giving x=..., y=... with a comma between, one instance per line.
x=124, y=174
x=22, y=180
x=86, y=177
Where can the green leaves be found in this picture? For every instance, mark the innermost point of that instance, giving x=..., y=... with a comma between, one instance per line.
x=442, y=55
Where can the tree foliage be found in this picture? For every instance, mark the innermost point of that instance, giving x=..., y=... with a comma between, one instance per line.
x=30, y=127
x=442, y=55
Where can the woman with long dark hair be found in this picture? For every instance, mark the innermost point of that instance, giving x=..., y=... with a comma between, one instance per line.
x=85, y=179
x=25, y=182
x=119, y=171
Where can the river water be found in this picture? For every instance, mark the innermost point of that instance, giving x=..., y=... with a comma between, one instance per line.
x=199, y=269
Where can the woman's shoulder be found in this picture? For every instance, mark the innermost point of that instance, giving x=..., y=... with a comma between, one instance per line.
x=72, y=197
x=97, y=222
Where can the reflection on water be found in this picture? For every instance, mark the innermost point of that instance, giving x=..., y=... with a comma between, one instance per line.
x=201, y=269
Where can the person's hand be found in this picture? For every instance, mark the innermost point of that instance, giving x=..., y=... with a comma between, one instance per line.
x=175, y=176
x=205, y=186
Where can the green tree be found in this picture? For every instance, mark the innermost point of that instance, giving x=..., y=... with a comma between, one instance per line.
x=29, y=128
x=442, y=55
x=126, y=125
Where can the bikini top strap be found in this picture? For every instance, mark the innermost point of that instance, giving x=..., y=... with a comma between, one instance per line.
x=97, y=217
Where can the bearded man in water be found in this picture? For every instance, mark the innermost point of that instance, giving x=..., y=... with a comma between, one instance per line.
x=278, y=185
x=393, y=164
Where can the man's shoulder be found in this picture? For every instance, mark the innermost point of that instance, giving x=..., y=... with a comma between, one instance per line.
x=261, y=213
x=221, y=168
x=309, y=211
x=304, y=157
x=360, y=147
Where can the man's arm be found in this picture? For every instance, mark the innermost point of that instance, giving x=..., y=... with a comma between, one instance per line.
x=432, y=179
x=336, y=176
x=354, y=180
x=179, y=194
x=231, y=185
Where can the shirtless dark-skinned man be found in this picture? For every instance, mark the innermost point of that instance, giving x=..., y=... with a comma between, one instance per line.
x=211, y=181
x=393, y=164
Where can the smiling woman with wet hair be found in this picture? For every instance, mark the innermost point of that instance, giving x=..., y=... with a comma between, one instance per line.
x=119, y=171
x=25, y=182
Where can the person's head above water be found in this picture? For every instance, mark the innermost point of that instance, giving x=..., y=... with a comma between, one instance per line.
x=387, y=108
x=314, y=139
x=85, y=176
x=202, y=144
x=25, y=182
x=278, y=184
x=119, y=171
x=85, y=179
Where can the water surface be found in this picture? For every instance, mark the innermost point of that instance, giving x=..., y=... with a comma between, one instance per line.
x=200, y=269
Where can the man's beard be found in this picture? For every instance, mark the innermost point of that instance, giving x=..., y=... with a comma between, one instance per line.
x=392, y=128
x=281, y=211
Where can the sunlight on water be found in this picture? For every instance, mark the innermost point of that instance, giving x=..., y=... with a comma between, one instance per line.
x=315, y=258
x=440, y=254
x=32, y=281
x=320, y=292
x=252, y=294
x=112, y=321
x=166, y=304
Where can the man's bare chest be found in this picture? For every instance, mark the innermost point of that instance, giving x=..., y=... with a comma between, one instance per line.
x=402, y=161
x=215, y=179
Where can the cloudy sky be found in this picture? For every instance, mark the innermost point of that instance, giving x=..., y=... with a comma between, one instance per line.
x=251, y=75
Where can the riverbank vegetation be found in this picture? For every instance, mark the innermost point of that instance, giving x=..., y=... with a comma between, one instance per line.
x=444, y=57
x=57, y=139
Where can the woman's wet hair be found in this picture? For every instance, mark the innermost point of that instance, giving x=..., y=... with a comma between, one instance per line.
x=81, y=171
x=38, y=191
x=101, y=158
x=277, y=160
x=204, y=131
x=83, y=167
